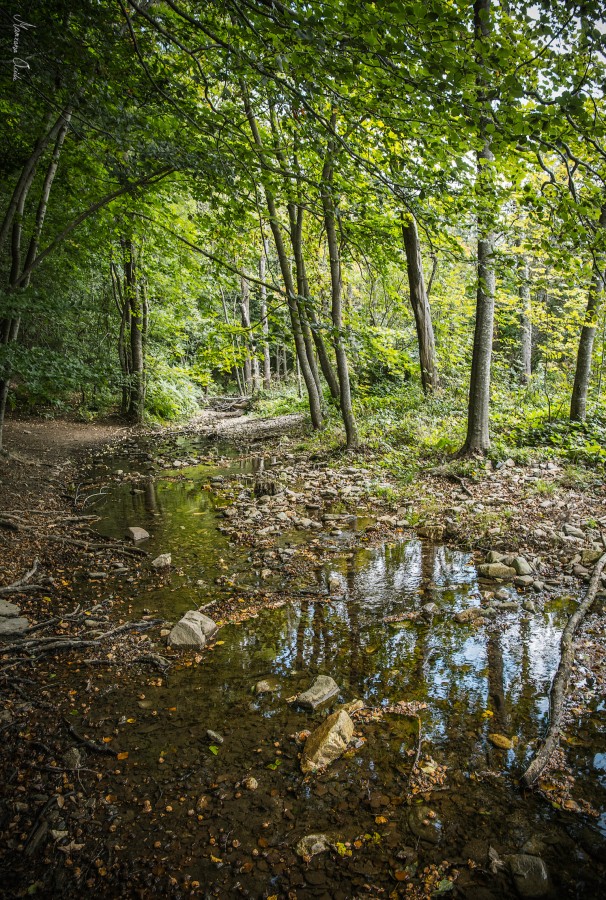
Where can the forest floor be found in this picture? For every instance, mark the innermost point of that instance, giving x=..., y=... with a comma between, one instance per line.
x=548, y=512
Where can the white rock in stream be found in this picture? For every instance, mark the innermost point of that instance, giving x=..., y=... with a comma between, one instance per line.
x=163, y=561
x=192, y=631
x=137, y=534
x=323, y=688
x=327, y=742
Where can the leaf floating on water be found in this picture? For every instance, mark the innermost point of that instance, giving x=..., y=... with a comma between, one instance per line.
x=274, y=765
x=123, y=755
x=214, y=749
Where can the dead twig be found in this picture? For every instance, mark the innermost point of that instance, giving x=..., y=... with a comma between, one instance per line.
x=91, y=745
x=559, y=685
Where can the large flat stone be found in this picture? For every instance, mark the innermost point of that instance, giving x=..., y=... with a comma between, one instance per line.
x=8, y=609
x=323, y=688
x=192, y=631
x=327, y=742
x=497, y=570
x=137, y=534
x=10, y=626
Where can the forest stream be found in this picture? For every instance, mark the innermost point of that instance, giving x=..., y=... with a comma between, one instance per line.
x=211, y=800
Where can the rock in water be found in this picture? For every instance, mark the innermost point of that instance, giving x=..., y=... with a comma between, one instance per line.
x=12, y=625
x=327, y=742
x=192, y=631
x=312, y=844
x=529, y=874
x=424, y=824
x=501, y=741
x=323, y=688
x=497, y=570
x=8, y=610
x=266, y=686
x=137, y=534
x=163, y=561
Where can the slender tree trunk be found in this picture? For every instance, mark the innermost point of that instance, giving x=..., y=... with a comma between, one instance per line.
x=420, y=307
x=264, y=320
x=315, y=407
x=137, y=355
x=245, y=319
x=328, y=206
x=13, y=221
x=478, y=436
x=578, y=404
x=525, y=323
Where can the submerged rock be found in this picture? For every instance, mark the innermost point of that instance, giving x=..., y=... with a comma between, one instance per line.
x=327, y=742
x=530, y=875
x=214, y=736
x=163, y=561
x=312, y=844
x=267, y=686
x=500, y=741
x=137, y=534
x=496, y=570
x=192, y=631
x=424, y=824
x=468, y=615
x=323, y=688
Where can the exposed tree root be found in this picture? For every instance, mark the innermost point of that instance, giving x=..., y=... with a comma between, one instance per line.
x=557, y=695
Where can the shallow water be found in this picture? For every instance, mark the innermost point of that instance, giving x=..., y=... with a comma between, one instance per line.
x=474, y=680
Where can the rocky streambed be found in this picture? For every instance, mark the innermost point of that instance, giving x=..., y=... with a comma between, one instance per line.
x=357, y=724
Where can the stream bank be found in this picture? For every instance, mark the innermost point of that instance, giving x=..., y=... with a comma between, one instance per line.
x=422, y=802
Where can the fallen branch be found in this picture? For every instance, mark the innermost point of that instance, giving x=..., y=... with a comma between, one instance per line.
x=11, y=588
x=559, y=685
x=15, y=525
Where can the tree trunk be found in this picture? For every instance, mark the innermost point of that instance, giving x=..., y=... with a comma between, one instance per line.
x=245, y=319
x=13, y=221
x=264, y=320
x=478, y=436
x=578, y=404
x=420, y=307
x=315, y=408
x=525, y=323
x=137, y=355
x=328, y=206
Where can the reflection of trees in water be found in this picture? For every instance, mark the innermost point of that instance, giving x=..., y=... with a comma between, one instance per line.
x=496, y=683
x=150, y=495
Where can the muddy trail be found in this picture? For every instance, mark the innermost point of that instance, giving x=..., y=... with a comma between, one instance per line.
x=137, y=770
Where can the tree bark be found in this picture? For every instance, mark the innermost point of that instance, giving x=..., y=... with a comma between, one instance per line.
x=9, y=327
x=578, y=403
x=328, y=205
x=264, y=320
x=315, y=408
x=137, y=356
x=525, y=323
x=478, y=436
x=419, y=301
x=245, y=320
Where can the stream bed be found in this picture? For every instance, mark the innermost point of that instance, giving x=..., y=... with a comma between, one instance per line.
x=222, y=816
